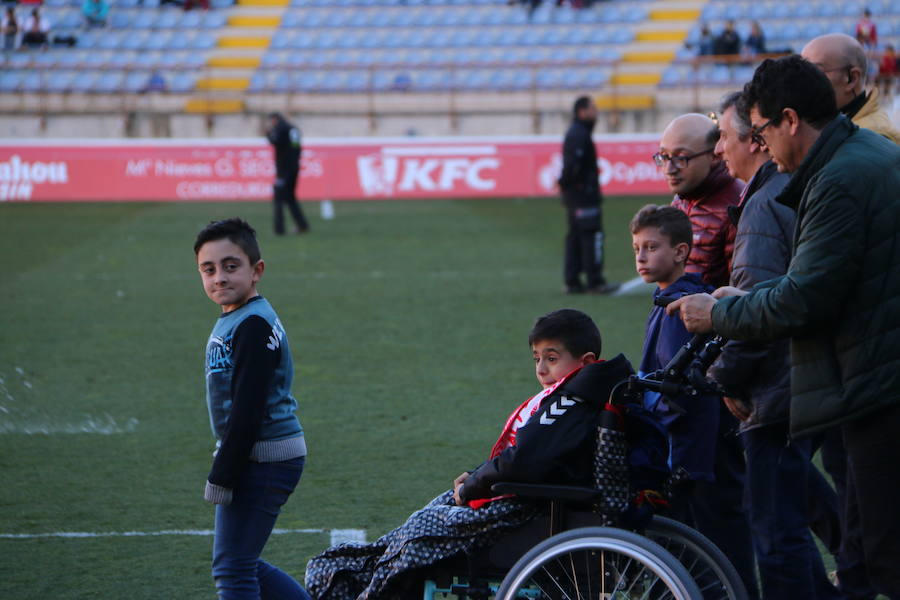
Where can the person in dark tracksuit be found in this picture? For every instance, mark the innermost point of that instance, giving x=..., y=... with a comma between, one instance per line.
x=580, y=187
x=285, y=139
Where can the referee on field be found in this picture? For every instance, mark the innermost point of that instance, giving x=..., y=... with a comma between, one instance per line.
x=580, y=187
x=285, y=139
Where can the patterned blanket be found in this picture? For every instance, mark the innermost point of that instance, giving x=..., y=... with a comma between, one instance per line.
x=356, y=571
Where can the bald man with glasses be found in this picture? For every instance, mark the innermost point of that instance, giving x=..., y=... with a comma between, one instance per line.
x=703, y=189
x=844, y=62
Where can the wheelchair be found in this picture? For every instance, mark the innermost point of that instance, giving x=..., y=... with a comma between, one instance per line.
x=601, y=542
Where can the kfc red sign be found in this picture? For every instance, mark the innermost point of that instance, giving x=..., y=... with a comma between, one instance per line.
x=330, y=169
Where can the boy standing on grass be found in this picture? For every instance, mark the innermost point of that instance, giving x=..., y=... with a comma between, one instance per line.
x=661, y=239
x=260, y=444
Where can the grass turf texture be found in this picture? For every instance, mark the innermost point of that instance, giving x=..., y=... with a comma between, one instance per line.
x=408, y=322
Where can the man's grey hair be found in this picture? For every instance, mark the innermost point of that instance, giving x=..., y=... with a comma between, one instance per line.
x=741, y=120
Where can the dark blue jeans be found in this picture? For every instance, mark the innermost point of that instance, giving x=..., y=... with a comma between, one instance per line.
x=243, y=528
x=715, y=509
x=790, y=565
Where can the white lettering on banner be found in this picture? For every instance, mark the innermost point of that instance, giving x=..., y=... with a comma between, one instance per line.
x=379, y=173
x=628, y=173
x=198, y=190
x=138, y=168
x=16, y=170
x=15, y=191
x=223, y=167
x=172, y=168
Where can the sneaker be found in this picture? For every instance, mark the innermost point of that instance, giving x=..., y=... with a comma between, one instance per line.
x=573, y=289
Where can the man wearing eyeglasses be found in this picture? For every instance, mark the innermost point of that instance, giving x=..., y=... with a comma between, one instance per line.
x=703, y=189
x=844, y=62
x=781, y=482
x=839, y=302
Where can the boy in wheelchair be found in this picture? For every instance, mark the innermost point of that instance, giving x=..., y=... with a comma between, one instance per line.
x=550, y=439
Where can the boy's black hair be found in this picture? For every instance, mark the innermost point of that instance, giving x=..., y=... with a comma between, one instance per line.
x=576, y=330
x=790, y=82
x=671, y=222
x=236, y=230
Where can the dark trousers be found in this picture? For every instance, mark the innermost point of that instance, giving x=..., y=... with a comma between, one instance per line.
x=778, y=481
x=584, y=247
x=873, y=489
x=851, y=569
x=715, y=509
x=285, y=195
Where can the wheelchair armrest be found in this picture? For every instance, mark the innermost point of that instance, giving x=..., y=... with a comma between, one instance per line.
x=567, y=493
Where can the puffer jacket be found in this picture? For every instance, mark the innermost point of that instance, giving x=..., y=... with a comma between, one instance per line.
x=759, y=371
x=871, y=116
x=707, y=207
x=840, y=299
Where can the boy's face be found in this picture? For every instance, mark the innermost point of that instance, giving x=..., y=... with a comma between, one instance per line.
x=552, y=361
x=656, y=259
x=228, y=277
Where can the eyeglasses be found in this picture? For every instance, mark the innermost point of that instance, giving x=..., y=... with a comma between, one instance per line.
x=756, y=133
x=679, y=162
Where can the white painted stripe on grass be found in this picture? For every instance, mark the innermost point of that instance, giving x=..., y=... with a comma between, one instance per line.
x=339, y=534
x=632, y=286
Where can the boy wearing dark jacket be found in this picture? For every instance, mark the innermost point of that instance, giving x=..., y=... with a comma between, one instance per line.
x=661, y=240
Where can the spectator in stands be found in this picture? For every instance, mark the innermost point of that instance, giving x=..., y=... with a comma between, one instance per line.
x=36, y=30
x=756, y=41
x=10, y=28
x=756, y=379
x=189, y=4
x=728, y=42
x=866, y=31
x=705, y=42
x=704, y=190
x=844, y=61
x=95, y=12
x=155, y=83
x=888, y=70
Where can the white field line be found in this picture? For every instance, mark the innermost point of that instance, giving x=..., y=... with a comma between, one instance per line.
x=633, y=286
x=337, y=535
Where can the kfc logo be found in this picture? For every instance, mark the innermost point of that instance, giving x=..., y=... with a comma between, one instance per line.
x=411, y=170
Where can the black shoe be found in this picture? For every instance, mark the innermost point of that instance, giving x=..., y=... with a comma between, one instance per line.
x=574, y=289
x=604, y=288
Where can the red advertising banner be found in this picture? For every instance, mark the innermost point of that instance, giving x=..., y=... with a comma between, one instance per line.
x=352, y=169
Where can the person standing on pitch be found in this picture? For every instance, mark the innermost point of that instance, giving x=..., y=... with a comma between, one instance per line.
x=580, y=187
x=260, y=447
x=285, y=138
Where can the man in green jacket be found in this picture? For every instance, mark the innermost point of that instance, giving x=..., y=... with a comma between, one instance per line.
x=839, y=302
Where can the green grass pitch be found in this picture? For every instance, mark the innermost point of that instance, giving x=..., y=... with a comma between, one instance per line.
x=408, y=322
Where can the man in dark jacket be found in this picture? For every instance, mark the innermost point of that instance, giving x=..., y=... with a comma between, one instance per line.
x=285, y=139
x=839, y=300
x=756, y=378
x=580, y=187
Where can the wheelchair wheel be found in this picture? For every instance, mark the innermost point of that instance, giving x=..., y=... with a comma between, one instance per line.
x=711, y=570
x=598, y=563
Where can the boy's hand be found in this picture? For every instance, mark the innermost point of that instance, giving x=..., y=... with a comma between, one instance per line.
x=740, y=409
x=725, y=291
x=696, y=312
x=457, y=483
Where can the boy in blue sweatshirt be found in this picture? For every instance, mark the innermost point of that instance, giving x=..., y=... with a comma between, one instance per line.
x=661, y=240
x=261, y=449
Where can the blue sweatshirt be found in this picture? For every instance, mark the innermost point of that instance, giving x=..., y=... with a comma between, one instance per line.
x=692, y=437
x=248, y=392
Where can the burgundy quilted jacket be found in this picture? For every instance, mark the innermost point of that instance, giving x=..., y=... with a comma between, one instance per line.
x=707, y=207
